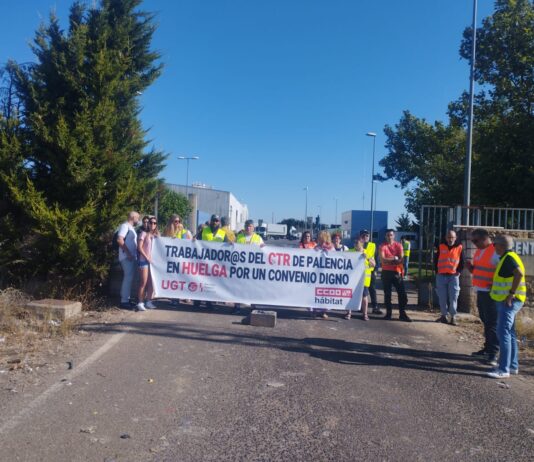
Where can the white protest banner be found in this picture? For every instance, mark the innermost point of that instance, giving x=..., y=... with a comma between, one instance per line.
x=240, y=273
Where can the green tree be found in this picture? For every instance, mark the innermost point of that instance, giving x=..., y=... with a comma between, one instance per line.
x=171, y=202
x=504, y=132
x=428, y=159
x=424, y=158
x=404, y=223
x=83, y=159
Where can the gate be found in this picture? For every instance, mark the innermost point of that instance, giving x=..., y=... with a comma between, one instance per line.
x=435, y=220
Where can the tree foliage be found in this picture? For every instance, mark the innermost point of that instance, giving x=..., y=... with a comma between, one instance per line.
x=171, y=202
x=428, y=159
x=73, y=157
x=404, y=222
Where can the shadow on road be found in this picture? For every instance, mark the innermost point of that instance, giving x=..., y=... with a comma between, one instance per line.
x=327, y=349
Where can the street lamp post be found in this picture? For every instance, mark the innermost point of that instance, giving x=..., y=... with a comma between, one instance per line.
x=335, y=217
x=306, y=209
x=187, y=173
x=468, y=155
x=373, y=135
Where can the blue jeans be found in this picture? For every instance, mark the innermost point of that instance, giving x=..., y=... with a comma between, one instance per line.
x=406, y=264
x=508, y=355
x=448, y=289
x=128, y=269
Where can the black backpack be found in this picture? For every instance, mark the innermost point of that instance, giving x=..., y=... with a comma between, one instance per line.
x=114, y=243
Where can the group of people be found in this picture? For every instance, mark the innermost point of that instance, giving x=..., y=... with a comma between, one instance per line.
x=498, y=276
x=135, y=249
x=391, y=254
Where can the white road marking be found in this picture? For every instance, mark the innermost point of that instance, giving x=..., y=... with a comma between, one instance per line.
x=16, y=420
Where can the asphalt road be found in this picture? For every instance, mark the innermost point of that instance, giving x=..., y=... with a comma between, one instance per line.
x=183, y=384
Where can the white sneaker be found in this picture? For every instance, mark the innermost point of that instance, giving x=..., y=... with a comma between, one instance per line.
x=140, y=307
x=514, y=371
x=150, y=305
x=497, y=374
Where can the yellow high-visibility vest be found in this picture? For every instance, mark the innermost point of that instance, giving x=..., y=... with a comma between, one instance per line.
x=242, y=239
x=182, y=234
x=406, y=246
x=207, y=235
x=501, y=287
x=368, y=269
x=370, y=251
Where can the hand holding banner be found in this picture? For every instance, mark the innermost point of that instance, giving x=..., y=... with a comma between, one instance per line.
x=248, y=274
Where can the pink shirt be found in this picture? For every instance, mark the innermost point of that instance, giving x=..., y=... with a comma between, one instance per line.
x=390, y=251
x=145, y=240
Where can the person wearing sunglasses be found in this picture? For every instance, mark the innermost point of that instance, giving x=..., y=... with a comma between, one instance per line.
x=144, y=247
x=482, y=267
x=176, y=229
x=213, y=231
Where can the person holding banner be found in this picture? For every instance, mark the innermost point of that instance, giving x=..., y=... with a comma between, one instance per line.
x=336, y=240
x=324, y=244
x=369, y=265
x=144, y=247
x=370, y=251
x=248, y=236
x=225, y=226
x=391, y=254
x=176, y=229
x=213, y=231
x=306, y=241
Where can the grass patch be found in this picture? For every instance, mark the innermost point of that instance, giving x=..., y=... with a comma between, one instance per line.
x=20, y=330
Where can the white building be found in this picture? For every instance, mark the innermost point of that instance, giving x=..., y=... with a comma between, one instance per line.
x=213, y=201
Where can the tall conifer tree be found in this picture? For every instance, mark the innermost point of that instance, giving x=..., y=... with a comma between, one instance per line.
x=85, y=157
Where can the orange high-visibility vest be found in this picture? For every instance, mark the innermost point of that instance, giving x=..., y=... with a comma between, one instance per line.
x=483, y=268
x=449, y=260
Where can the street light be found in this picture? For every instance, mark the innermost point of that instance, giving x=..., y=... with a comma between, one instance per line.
x=335, y=218
x=373, y=135
x=469, y=150
x=306, y=209
x=187, y=173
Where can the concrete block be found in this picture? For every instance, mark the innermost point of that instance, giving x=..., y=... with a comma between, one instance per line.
x=262, y=318
x=55, y=309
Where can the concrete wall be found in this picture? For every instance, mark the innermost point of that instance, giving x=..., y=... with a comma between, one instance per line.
x=524, y=246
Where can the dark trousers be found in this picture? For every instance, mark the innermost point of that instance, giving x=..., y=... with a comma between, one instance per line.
x=393, y=279
x=372, y=291
x=487, y=310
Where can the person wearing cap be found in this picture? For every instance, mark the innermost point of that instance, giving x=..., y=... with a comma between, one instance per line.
x=248, y=236
x=369, y=264
x=213, y=231
x=370, y=251
x=225, y=226
x=509, y=290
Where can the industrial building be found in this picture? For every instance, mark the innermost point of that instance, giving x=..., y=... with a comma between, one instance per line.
x=211, y=201
x=353, y=221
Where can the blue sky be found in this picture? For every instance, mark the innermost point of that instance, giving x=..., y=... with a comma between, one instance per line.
x=277, y=95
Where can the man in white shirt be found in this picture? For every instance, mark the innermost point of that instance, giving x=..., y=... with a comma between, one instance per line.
x=127, y=240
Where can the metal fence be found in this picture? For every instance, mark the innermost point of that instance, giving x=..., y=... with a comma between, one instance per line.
x=435, y=220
